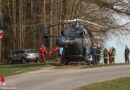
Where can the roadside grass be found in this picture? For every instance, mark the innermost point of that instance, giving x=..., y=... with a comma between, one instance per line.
x=78, y=66
x=8, y=70
x=116, y=84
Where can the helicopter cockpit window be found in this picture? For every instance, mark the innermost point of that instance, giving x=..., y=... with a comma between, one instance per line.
x=73, y=31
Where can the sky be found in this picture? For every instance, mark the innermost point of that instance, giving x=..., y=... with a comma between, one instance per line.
x=118, y=42
x=119, y=38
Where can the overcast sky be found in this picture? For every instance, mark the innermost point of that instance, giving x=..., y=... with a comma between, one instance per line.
x=119, y=38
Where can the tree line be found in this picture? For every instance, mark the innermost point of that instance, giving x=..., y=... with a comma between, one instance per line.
x=22, y=16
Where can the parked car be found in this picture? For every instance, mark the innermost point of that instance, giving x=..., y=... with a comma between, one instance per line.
x=23, y=56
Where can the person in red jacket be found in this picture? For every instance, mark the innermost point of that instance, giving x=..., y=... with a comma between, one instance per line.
x=54, y=50
x=61, y=55
x=110, y=56
x=43, y=53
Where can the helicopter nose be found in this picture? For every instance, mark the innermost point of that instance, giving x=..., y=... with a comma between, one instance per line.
x=60, y=41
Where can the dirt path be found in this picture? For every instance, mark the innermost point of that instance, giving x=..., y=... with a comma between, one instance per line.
x=65, y=79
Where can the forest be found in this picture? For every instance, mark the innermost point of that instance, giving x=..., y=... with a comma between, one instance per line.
x=23, y=20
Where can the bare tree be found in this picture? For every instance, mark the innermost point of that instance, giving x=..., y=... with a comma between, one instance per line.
x=24, y=19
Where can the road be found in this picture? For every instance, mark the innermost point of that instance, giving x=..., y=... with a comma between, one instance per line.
x=65, y=79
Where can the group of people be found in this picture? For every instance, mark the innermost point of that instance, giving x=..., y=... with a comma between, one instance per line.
x=108, y=55
x=97, y=52
x=43, y=53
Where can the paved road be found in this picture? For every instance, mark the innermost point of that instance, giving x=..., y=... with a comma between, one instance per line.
x=67, y=79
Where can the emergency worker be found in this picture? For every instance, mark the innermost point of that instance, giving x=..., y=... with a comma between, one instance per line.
x=113, y=54
x=105, y=55
x=43, y=54
x=110, y=56
x=99, y=53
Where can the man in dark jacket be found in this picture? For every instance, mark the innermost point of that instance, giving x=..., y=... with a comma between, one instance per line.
x=93, y=52
x=127, y=51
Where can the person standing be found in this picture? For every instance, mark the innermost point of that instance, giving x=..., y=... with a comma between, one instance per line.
x=99, y=53
x=127, y=51
x=60, y=51
x=105, y=55
x=43, y=54
x=93, y=52
x=110, y=56
x=62, y=57
x=113, y=54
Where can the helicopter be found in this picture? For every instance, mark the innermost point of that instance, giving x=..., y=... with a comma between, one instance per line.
x=74, y=41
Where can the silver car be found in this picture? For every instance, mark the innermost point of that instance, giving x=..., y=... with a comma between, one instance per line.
x=24, y=56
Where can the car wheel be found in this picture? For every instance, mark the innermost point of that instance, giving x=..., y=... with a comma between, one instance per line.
x=23, y=61
x=10, y=61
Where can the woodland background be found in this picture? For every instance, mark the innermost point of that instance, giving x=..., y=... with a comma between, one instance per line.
x=22, y=16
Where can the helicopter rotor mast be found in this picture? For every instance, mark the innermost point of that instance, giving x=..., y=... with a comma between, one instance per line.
x=83, y=21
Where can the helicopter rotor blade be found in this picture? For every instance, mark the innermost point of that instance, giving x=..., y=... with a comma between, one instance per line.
x=80, y=20
x=69, y=21
x=64, y=22
x=92, y=23
x=48, y=23
x=89, y=32
x=74, y=20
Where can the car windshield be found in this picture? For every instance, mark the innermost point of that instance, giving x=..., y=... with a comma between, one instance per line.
x=32, y=51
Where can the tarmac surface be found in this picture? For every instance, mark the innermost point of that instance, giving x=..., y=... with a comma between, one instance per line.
x=65, y=79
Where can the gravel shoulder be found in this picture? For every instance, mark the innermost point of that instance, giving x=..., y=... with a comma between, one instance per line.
x=65, y=79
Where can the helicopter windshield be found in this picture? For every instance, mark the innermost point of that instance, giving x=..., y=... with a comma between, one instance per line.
x=73, y=31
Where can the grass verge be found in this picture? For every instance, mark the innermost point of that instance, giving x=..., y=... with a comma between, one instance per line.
x=8, y=70
x=86, y=66
x=116, y=84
